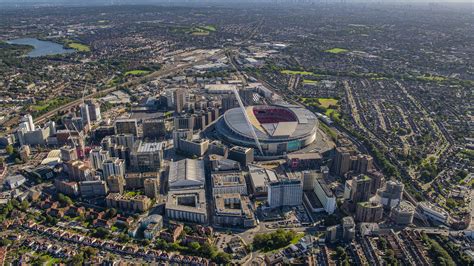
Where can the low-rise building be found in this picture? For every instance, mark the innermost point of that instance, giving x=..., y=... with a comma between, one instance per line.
x=233, y=210
x=138, y=203
x=228, y=183
x=94, y=188
x=187, y=206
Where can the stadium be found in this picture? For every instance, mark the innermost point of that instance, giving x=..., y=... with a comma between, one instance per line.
x=280, y=129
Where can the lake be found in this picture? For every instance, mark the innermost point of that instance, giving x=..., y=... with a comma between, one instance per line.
x=42, y=48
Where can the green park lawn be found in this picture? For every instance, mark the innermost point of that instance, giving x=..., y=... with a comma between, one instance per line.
x=79, y=46
x=137, y=72
x=336, y=51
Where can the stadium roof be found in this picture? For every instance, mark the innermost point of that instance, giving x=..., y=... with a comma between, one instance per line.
x=304, y=123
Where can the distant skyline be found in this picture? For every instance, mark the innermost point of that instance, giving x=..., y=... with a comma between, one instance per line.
x=80, y=2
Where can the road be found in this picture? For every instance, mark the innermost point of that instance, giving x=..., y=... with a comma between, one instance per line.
x=157, y=74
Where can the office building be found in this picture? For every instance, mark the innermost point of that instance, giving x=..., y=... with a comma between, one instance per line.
x=348, y=228
x=195, y=147
x=154, y=128
x=259, y=179
x=432, y=212
x=233, y=210
x=391, y=195
x=247, y=96
x=359, y=188
x=138, y=203
x=181, y=134
x=242, y=155
x=126, y=126
x=286, y=192
x=228, y=183
x=362, y=163
x=115, y=183
x=309, y=179
x=66, y=187
x=147, y=156
x=220, y=164
x=186, y=174
x=86, y=119
x=94, y=110
x=152, y=187
x=217, y=147
x=97, y=156
x=184, y=122
x=369, y=212
x=187, y=206
x=331, y=233
x=179, y=96
x=78, y=171
x=68, y=153
x=199, y=120
x=135, y=181
x=92, y=189
x=113, y=166
x=342, y=161
x=228, y=102
x=325, y=195
x=27, y=134
x=403, y=213
x=24, y=153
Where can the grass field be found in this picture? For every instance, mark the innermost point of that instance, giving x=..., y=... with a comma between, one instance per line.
x=333, y=112
x=46, y=105
x=137, y=72
x=336, y=51
x=309, y=81
x=294, y=72
x=79, y=47
x=431, y=78
x=200, y=33
x=208, y=28
x=326, y=102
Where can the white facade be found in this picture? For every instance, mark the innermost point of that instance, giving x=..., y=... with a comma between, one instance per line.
x=113, y=166
x=285, y=193
x=325, y=196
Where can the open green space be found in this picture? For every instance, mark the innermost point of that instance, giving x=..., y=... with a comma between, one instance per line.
x=47, y=105
x=78, y=46
x=208, y=28
x=302, y=73
x=200, y=33
x=195, y=30
x=267, y=242
x=336, y=50
x=328, y=106
x=327, y=102
x=137, y=72
x=309, y=81
x=431, y=78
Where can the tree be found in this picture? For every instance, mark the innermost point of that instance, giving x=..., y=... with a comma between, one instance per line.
x=5, y=242
x=78, y=259
x=222, y=258
x=9, y=149
x=194, y=246
x=64, y=200
x=101, y=233
x=111, y=213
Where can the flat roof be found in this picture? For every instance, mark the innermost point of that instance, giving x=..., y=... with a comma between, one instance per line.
x=150, y=146
x=186, y=173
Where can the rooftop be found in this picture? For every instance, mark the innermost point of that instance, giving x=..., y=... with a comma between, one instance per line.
x=186, y=173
